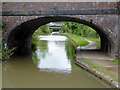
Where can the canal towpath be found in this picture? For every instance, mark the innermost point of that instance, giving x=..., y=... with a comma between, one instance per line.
x=96, y=57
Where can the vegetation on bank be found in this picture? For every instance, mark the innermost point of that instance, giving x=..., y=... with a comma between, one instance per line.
x=3, y=24
x=79, y=29
x=71, y=29
x=78, y=41
x=101, y=69
x=3, y=2
x=116, y=61
x=4, y=52
x=97, y=40
x=34, y=41
x=43, y=30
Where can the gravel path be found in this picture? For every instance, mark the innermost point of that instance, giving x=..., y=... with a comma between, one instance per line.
x=91, y=45
x=97, y=57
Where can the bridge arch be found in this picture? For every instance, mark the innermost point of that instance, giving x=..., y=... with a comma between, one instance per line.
x=21, y=35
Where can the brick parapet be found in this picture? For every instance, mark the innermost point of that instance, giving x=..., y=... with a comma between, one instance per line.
x=26, y=6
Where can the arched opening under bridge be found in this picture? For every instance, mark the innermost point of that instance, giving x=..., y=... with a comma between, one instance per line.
x=20, y=37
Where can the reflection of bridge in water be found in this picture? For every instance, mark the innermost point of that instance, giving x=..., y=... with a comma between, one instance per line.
x=55, y=25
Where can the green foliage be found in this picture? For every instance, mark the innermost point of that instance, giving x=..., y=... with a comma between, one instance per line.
x=34, y=41
x=3, y=24
x=97, y=40
x=3, y=2
x=55, y=29
x=43, y=47
x=43, y=30
x=35, y=59
x=5, y=53
x=101, y=69
x=70, y=48
x=79, y=29
x=117, y=61
x=23, y=5
x=98, y=46
x=78, y=41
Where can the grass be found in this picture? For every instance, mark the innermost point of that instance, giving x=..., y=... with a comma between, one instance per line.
x=97, y=40
x=3, y=2
x=23, y=5
x=98, y=46
x=101, y=69
x=116, y=61
x=77, y=40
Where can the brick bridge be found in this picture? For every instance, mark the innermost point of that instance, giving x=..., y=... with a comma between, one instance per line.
x=22, y=19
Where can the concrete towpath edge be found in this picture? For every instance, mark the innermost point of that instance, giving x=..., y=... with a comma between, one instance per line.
x=97, y=73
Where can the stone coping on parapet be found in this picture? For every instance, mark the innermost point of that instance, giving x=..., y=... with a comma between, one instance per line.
x=60, y=0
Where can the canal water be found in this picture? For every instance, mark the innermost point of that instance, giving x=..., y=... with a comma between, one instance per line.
x=51, y=66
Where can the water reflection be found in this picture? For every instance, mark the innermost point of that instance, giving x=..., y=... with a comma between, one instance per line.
x=52, y=56
x=53, y=38
x=52, y=66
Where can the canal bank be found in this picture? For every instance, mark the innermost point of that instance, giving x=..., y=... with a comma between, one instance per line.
x=100, y=65
x=97, y=63
x=51, y=66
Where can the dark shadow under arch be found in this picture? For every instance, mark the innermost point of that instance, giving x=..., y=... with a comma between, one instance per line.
x=20, y=37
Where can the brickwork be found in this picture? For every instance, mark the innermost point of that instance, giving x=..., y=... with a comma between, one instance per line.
x=9, y=6
x=105, y=25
